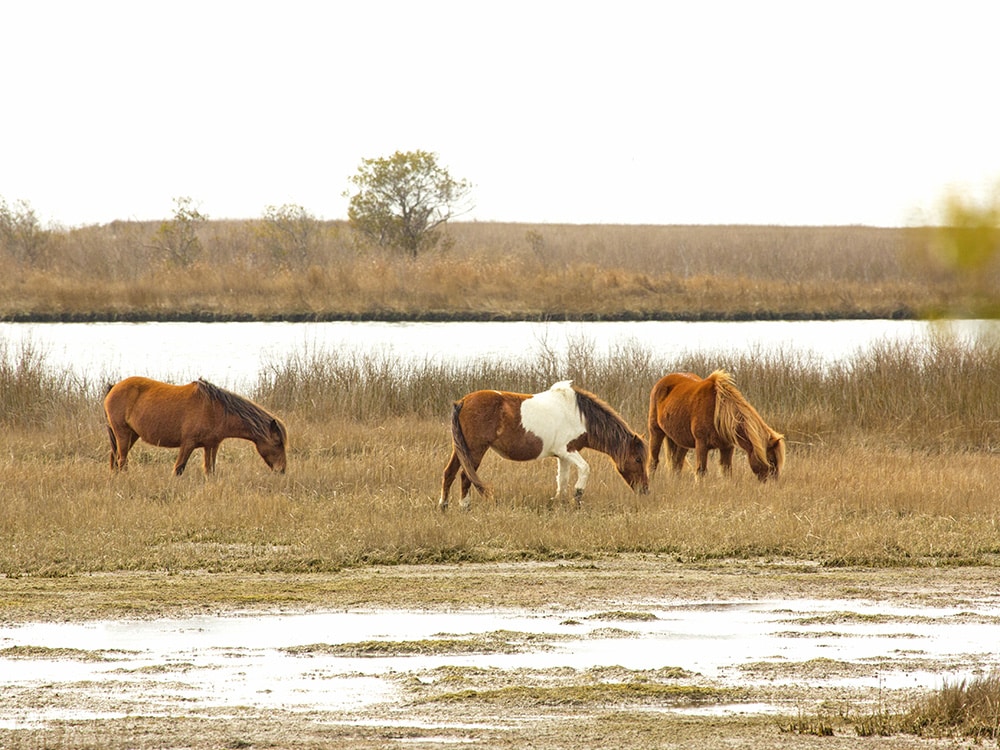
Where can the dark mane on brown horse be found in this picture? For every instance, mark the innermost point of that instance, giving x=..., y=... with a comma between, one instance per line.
x=254, y=416
x=558, y=423
x=188, y=417
x=606, y=430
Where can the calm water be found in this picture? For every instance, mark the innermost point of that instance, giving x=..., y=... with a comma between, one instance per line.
x=232, y=354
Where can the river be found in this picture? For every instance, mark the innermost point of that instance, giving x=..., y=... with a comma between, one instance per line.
x=233, y=354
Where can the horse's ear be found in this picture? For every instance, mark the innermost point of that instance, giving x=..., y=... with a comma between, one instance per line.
x=276, y=431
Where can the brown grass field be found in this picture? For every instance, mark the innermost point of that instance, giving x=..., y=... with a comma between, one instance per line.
x=892, y=461
x=123, y=271
x=892, y=470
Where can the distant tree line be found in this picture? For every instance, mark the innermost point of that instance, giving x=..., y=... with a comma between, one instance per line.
x=402, y=201
x=399, y=202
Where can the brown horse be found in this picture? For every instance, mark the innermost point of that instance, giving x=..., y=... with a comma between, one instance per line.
x=706, y=414
x=197, y=415
x=559, y=422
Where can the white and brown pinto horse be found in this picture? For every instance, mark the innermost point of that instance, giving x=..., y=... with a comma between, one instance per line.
x=559, y=422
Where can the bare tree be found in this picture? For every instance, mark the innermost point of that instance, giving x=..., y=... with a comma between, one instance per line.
x=177, y=238
x=288, y=232
x=21, y=234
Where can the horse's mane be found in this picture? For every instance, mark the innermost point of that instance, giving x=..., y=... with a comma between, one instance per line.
x=606, y=430
x=732, y=410
x=256, y=417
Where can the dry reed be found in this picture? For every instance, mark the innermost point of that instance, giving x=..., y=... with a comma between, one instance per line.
x=116, y=271
x=892, y=461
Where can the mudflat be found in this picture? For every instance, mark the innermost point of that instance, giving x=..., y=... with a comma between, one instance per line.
x=623, y=650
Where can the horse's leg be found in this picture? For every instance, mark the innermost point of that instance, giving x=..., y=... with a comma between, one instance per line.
x=466, y=484
x=476, y=457
x=182, y=458
x=701, y=457
x=450, y=470
x=125, y=437
x=562, y=475
x=211, y=451
x=677, y=455
x=726, y=459
x=114, y=449
x=582, y=473
x=656, y=436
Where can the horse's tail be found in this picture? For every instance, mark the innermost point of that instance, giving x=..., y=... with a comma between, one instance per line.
x=462, y=449
x=733, y=411
x=114, y=448
x=111, y=432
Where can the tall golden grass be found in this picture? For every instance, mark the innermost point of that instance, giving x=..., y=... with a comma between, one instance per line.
x=970, y=708
x=892, y=461
x=117, y=271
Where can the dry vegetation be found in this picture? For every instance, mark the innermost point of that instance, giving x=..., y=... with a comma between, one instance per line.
x=892, y=461
x=892, y=464
x=892, y=458
x=129, y=271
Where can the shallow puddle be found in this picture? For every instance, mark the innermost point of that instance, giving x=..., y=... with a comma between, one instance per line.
x=325, y=662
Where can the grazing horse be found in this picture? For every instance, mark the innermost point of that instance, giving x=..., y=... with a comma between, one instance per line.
x=197, y=415
x=521, y=427
x=705, y=414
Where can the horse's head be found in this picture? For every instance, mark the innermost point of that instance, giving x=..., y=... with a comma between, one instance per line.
x=271, y=446
x=775, y=459
x=632, y=462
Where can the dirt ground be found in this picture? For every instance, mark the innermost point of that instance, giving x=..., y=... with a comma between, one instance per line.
x=506, y=685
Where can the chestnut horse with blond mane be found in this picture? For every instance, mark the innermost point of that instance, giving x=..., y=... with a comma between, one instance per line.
x=703, y=414
x=559, y=422
x=197, y=415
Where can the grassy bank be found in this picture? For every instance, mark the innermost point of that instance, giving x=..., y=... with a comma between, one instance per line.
x=892, y=461
x=123, y=271
x=889, y=493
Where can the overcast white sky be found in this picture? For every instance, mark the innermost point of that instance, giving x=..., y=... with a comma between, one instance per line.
x=751, y=112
